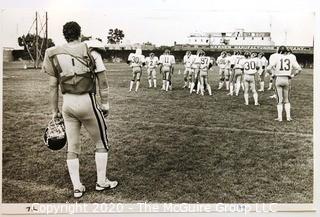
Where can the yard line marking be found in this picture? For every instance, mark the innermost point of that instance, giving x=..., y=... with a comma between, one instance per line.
x=185, y=126
x=214, y=128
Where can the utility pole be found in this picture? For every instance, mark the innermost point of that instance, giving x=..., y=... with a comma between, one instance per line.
x=46, y=30
x=37, y=43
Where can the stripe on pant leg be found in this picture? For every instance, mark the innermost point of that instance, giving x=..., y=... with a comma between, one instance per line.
x=102, y=119
x=102, y=133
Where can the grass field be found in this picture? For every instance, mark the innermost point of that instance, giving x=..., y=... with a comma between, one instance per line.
x=166, y=147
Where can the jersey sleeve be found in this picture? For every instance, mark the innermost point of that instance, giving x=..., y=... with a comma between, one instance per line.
x=100, y=67
x=130, y=57
x=173, y=60
x=295, y=64
x=47, y=66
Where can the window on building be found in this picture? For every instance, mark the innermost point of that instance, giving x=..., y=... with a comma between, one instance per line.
x=195, y=40
x=207, y=41
x=252, y=38
x=262, y=38
x=236, y=38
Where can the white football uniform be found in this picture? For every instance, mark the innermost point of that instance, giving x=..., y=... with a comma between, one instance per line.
x=136, y=62
x=151, y=64
x=205, y=62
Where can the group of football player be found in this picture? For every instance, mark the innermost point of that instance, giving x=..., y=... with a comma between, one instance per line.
x=236, y=71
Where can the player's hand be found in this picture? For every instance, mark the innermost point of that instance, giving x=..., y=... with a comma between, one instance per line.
x=56, y=115
x=105, y=109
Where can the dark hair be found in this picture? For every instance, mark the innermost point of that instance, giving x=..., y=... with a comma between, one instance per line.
x=71, y=31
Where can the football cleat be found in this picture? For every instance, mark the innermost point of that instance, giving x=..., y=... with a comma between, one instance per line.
x=55, y=136
x=106, y=185
x=278, y=119
x=78, y=192
x=289, y=119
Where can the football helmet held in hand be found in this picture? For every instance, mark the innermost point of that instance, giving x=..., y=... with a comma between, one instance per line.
x=55, y=136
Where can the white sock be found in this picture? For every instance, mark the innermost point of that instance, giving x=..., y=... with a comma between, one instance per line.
x=231, y=88
x=101, y=164
x=137, y=85
x=237, y=87
x=73, y=168
x=163, y=84
x=262, y=85
x=209, y=90
x=287, y=107
x=242, y=85
x=280, y=109
x=246, y=98
x=191, y=87
x=220, y=85
x=155, y=82
x=167, y=85
x=227, y=85
x=270, y=85
x=131, y=85
x=201, y=89
x=150, y=83
x=198, y=87
x=255, y=97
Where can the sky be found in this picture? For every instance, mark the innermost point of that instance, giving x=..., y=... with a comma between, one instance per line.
x=163, y=21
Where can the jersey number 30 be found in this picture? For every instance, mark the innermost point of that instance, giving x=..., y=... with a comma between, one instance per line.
x=250, y=65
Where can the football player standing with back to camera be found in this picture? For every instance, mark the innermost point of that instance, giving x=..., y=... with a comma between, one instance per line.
x=166, y=62
x=187, y=62
x=262, y=70
x=195, y=66
x=152, y=62
x=283, y=64
x=250, y=66
x=78, y=71
x=136, y=61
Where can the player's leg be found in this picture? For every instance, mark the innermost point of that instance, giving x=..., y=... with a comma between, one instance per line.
x=150, y=77
x=221, y=75
x=270, y=82
x=227, y=78
x=72, y=126
x=163, y=80
x=185, y=77
x=246, y=92
x=261, y=80
x=254, y=91
x=138, y=80
x=286, y=100
x=167, y=80
x=198, y=84
x=279, y=93
x=95, y=124
x=201, y=84
x=238, y=81
x=132, y=80
x=193, y=80
x=207, y=85
x=154, y=76
x=232, y=76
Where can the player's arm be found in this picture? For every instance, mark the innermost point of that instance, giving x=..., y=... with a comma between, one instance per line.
x=54, y=95
x=103, y=90
x=49, y=68
x=297, y=67
x=129, y=59
x=102, y=82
